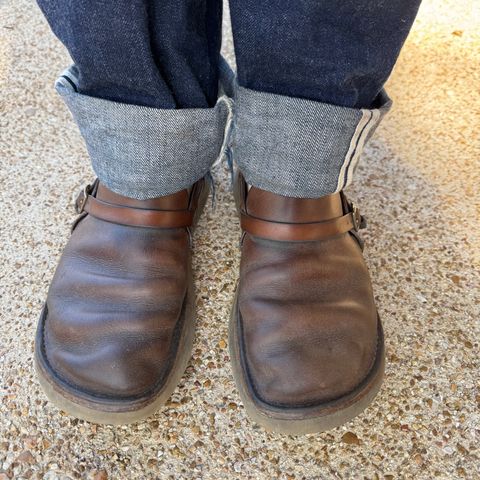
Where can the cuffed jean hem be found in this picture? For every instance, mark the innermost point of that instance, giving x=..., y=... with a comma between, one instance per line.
x=297, y=147
x=143, y=152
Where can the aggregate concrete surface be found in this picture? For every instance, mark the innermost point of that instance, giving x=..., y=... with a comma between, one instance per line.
x=418, y=184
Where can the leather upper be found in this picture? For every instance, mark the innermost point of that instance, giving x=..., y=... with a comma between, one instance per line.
x=307, y=313
x=114, y=305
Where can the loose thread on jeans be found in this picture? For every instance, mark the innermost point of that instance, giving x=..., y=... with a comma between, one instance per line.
x=226, y=154
x=213, y=189
x=229, y=161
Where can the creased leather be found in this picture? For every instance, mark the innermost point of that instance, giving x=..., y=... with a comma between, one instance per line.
x=115, y=301
x=307, y=312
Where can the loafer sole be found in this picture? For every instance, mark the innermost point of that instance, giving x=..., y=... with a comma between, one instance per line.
x=113, y=411
x=109, y=410
x=303, y=420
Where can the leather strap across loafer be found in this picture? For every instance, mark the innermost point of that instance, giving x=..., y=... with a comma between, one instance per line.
x=116, y=332
x=305, y=339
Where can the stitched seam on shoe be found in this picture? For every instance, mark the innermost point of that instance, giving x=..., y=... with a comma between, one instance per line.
x=314, y=403
x=147, y=393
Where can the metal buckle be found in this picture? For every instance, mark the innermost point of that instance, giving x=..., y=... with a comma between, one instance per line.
x=82, y=198
x=356, y=217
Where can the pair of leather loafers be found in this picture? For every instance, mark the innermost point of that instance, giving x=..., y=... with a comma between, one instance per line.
x=116, y=332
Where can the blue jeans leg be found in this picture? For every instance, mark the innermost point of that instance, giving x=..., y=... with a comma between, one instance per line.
x=339, y=52
x=161, y=54
x=310, y=94
x=144, y=88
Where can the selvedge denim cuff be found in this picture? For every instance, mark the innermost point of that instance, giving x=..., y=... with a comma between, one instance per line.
x=143, y=152
x=297, y=147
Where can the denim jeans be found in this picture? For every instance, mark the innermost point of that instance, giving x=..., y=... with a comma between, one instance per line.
x=144, y=88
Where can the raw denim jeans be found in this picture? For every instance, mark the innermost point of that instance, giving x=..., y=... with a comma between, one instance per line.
x=144, y=88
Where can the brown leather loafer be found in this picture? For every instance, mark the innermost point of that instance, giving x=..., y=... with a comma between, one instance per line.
x=305, y=339
x=117, y=328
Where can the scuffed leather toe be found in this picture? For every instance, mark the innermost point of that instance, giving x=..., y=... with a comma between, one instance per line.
x=120, y=297
x=306, y=322
x=309, y=327
x=112, y=310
